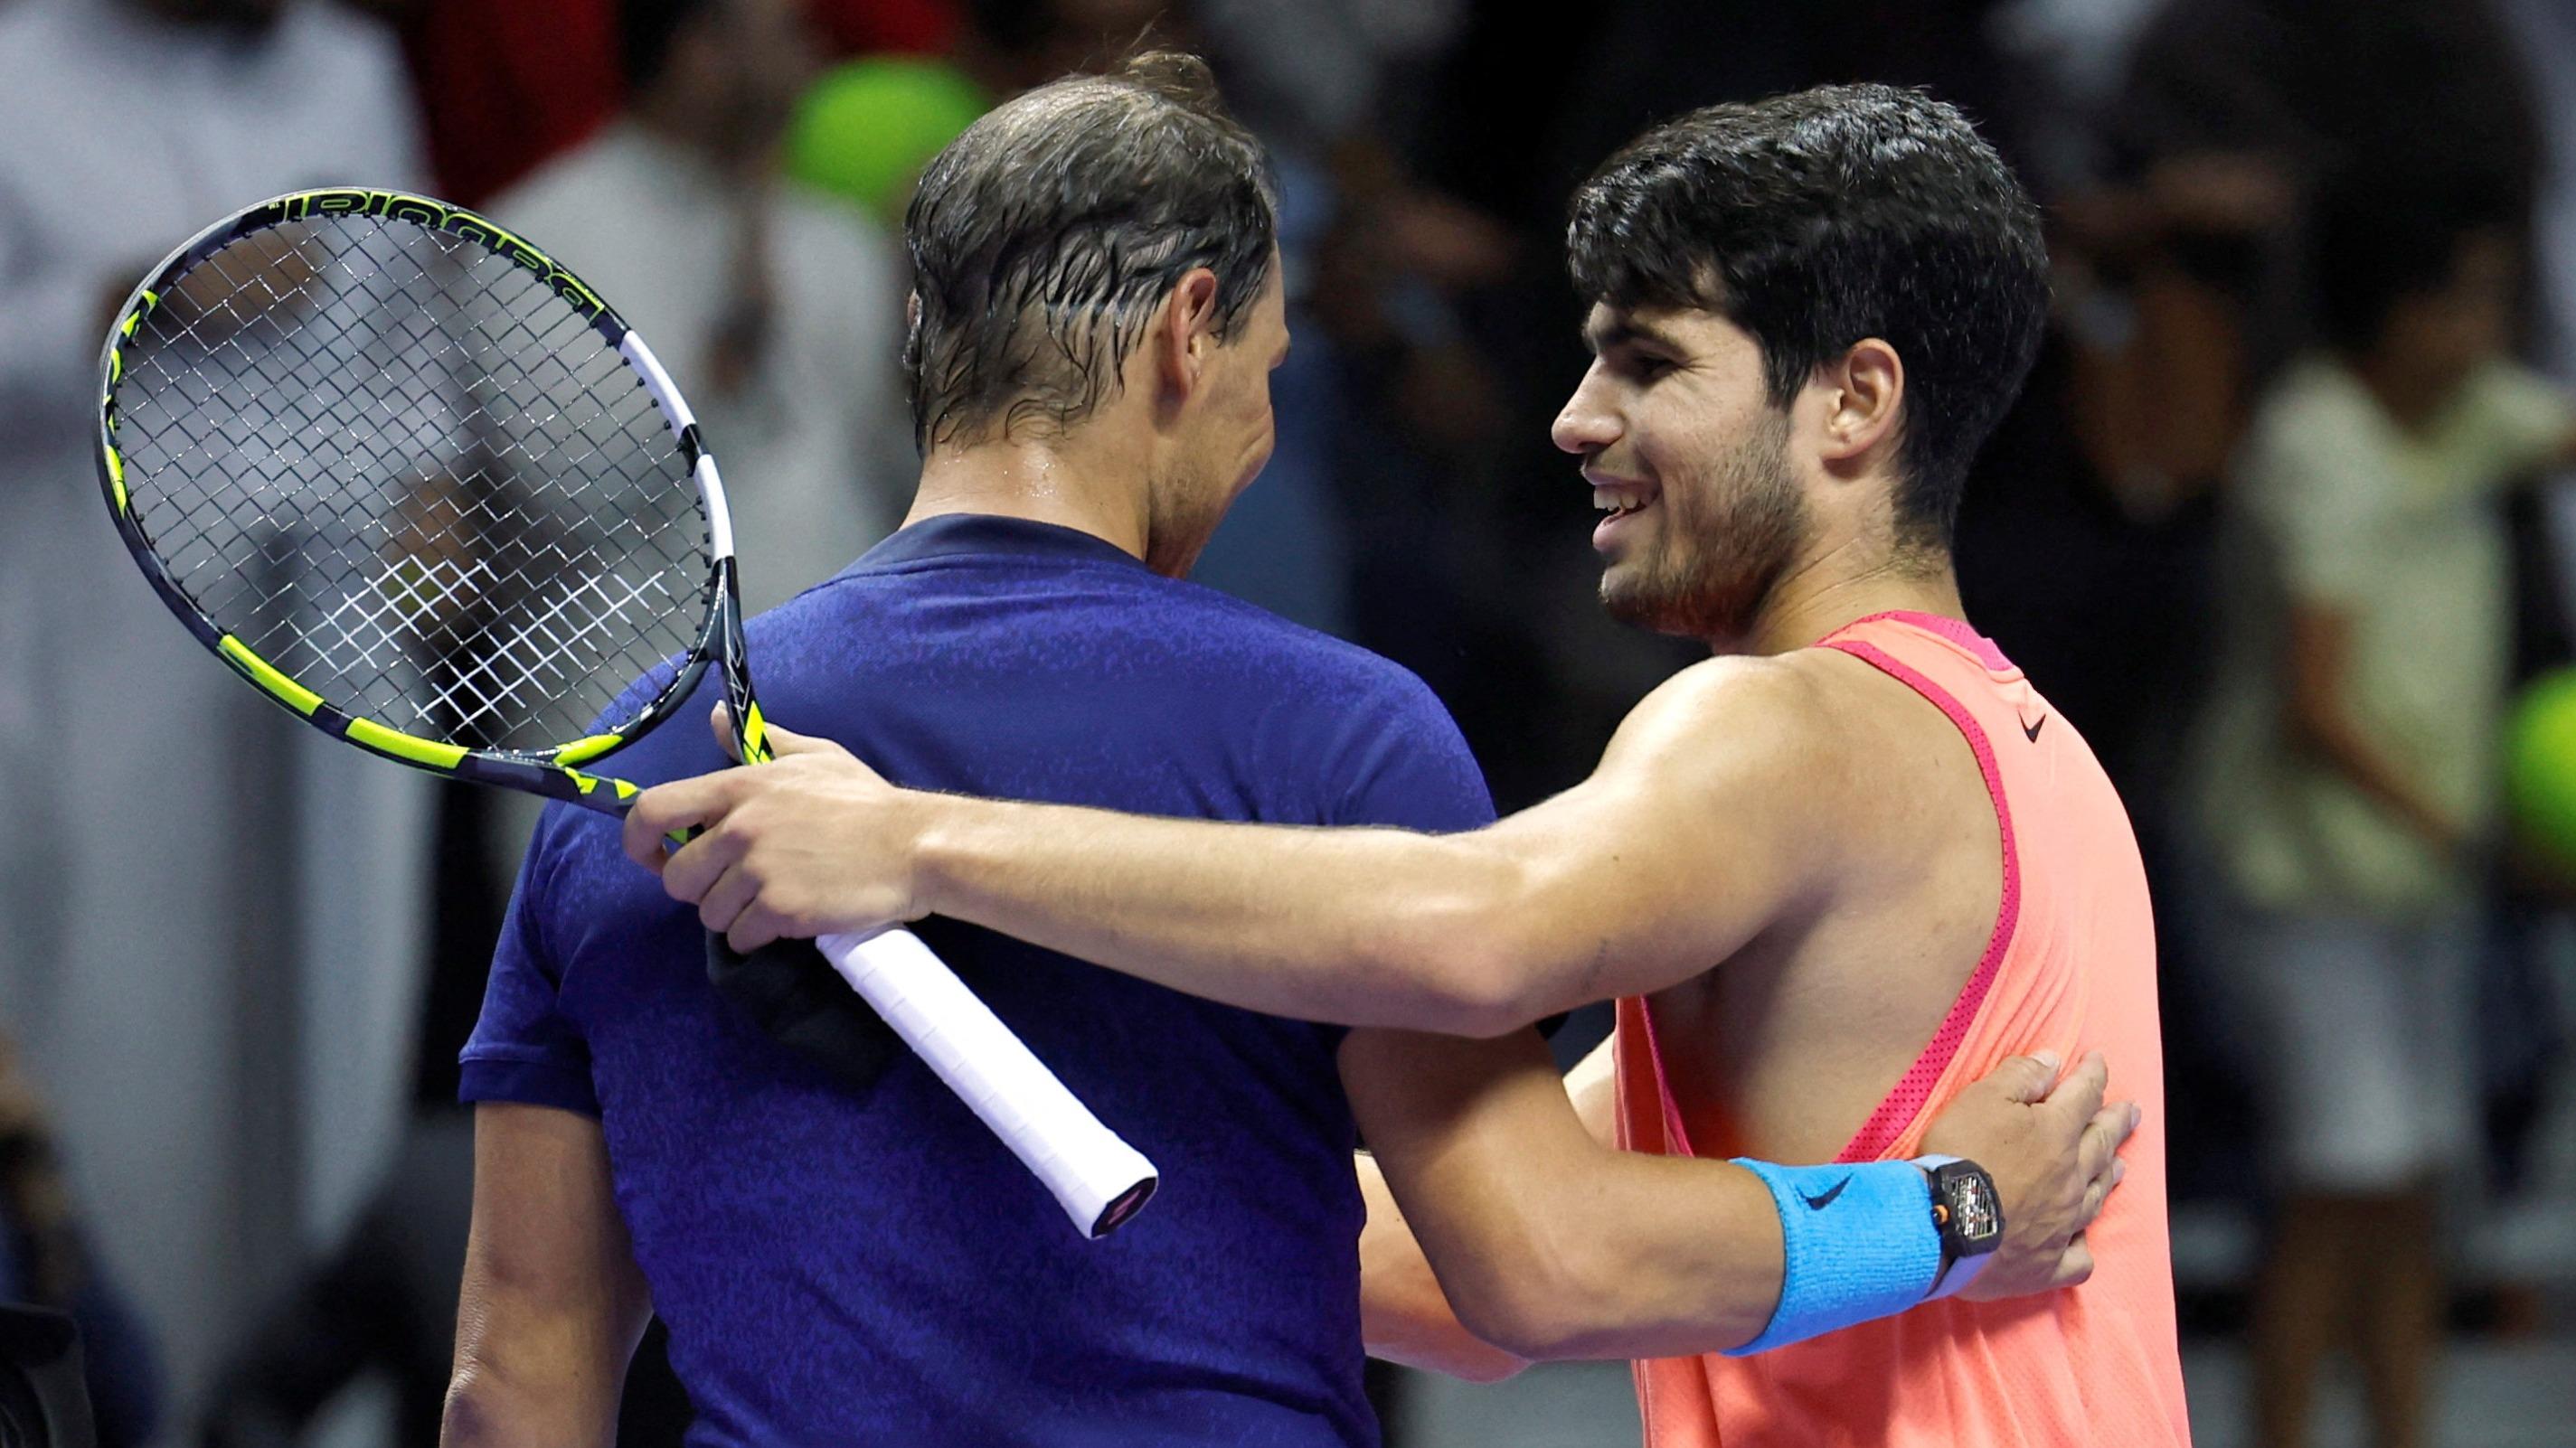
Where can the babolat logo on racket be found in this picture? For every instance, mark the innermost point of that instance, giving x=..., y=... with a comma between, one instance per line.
x=439, y=216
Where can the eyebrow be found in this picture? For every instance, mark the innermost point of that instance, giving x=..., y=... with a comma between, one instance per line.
x=1627, y=331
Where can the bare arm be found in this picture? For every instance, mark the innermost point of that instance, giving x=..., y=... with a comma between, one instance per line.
x=1404, y=1313
x=553, y=1304
x=1405, y=1317
x=1548, y=1243
x=1703, y=822
x=2320, y=654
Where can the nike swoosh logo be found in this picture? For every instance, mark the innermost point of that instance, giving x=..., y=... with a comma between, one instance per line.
x=1826, y=1198
x=2031, y=731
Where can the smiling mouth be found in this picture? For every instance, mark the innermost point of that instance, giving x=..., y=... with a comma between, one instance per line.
x=1620, y=501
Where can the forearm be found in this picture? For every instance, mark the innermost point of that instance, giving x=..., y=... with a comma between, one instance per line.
x=2320, y=669
x=552, y=1302
x=1372, y=927
x=489, y=1406
x=2370, y=770
x=1651, y=1257
x=1548, y=1244
x=541, y=1379
x=1404, y=1316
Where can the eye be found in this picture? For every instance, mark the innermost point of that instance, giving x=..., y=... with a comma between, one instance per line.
x=1647, y=366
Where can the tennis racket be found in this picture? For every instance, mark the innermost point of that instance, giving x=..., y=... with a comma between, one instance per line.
x=419, y=484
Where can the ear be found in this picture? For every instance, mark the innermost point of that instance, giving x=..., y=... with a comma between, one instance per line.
x=1864, y=389
x=1184, y=334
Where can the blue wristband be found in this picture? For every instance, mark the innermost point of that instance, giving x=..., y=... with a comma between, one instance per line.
x=1857, y=1242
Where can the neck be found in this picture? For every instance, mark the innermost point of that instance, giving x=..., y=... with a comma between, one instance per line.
x=1842, y=584
x=1039, y=483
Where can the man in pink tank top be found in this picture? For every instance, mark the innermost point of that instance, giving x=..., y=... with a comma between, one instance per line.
x=1833, y=875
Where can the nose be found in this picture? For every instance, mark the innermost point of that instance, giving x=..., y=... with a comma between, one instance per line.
x=1587, y=423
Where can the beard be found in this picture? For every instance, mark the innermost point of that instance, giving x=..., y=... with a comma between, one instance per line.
x=1723, y=547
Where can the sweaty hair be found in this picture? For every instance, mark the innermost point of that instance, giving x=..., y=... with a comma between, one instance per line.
x=1044, y=237
x=1817, y=219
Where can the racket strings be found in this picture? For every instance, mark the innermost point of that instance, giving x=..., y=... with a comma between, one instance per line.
x=415, y=479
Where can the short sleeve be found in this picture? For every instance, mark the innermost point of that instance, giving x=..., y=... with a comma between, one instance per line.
x=523, y=1049
x=2319, y=488
x=1412, y=769
x=2511, y=422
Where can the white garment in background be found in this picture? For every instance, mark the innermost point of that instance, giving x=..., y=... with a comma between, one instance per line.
x=133, y=839
x=817, y=450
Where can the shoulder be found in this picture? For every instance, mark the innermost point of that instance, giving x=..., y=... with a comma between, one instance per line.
x=2316, y=399
x=2319, y=446
x=1771, y=704
x=1309, y=658
x=1807, y=731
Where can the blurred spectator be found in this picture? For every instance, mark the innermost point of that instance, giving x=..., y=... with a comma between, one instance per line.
x=2348, y=765
x=775, y=310
x=47, y=1260
x=153, y=902
x=506, y=84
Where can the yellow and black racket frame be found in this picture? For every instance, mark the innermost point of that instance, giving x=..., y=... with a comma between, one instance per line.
x=552, y=771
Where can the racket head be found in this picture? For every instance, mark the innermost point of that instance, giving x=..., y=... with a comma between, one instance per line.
x=421, y=485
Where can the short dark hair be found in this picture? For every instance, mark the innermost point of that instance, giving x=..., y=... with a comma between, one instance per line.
x=1816, y=219
x=646, y=32
x=2377, y=237
x=1042, y=238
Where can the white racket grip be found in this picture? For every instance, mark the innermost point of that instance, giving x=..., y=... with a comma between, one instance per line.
x=1097, y=1178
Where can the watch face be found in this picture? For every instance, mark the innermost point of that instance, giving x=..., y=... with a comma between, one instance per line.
x=1976, y=1221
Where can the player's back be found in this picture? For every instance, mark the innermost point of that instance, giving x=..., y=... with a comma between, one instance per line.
x=848, y=1266
x=2068, y=966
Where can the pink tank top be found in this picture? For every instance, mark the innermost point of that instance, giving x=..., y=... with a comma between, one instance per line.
x=2070, y=967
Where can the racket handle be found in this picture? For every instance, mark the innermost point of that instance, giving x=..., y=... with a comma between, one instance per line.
x=1097, y=1178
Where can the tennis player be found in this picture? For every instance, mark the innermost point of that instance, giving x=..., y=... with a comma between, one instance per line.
x=1099, y=304
x=1831, y=874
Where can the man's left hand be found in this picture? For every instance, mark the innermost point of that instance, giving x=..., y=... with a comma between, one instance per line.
x=810, y=843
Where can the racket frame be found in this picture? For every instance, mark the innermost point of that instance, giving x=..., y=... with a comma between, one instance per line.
x=1099, y=1180
x=552, y=771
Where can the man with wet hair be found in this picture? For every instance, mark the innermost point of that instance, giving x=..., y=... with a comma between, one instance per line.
x=1831, y=874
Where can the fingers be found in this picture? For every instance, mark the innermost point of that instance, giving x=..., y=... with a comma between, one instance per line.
x=2026, y=1078
x=720, y=719
x=754, y=928
x=782, y=742
x=2080, y=1094
x=2100, y=1142
x=693, y=869
x=681, y=807
x=2097, y=1195
x=722, y=905
x=2074, y=1265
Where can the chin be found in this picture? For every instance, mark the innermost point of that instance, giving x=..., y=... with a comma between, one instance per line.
x=1716, y=616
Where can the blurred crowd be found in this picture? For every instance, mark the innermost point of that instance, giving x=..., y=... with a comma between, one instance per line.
x=2271, y=525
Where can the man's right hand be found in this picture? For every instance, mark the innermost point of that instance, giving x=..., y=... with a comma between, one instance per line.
x=2054, y=1157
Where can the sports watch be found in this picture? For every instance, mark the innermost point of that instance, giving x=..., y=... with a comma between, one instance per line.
x=1969, y=1217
